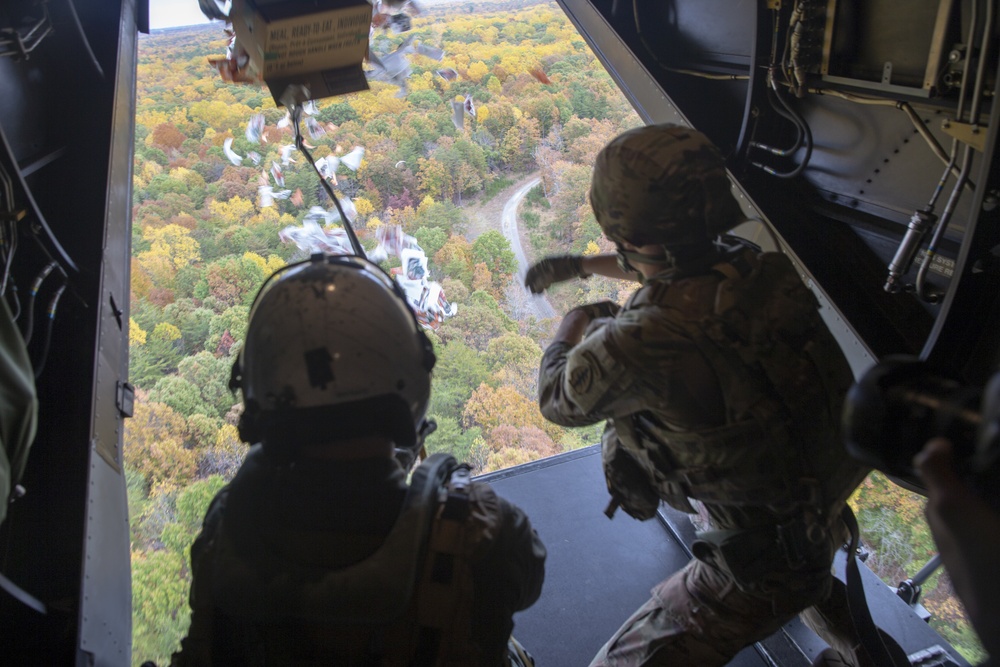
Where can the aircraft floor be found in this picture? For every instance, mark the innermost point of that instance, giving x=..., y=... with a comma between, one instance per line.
x=599, y=571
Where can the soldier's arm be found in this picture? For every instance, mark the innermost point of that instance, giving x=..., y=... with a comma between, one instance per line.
x=583, y=383
x=607, y=265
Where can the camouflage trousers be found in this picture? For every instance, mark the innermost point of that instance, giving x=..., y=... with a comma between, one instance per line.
x=699, y=618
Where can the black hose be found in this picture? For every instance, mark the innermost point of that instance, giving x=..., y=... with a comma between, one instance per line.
x=53, y=304
x=29, y=327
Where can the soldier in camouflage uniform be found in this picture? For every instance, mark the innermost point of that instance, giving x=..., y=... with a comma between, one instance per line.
x=720, y=383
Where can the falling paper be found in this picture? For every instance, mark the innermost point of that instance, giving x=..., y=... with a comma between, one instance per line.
x=426, y=297
x=285, y=122
x=310, y=107
x=400, y=164
x=316, y=130
x=448, y=74
x=400, y=23
x=286, y=154
x=470, y=109
x=265, y=196
x=227, y=148
x=432, y=52
x=313, y=238
x=281, y=194
x=255, y=156
x=279, y=177
x=255, y=127
x=353, y=159
x=458, y=115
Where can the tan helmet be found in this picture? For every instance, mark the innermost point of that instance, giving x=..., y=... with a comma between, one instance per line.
x=332, y=352
x=662, y=184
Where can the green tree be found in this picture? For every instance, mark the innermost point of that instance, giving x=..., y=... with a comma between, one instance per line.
x=160, y=614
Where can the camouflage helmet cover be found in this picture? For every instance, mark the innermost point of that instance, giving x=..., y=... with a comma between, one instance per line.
x=662, y=184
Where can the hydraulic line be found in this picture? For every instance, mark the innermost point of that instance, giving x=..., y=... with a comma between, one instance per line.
x=924, y=219
x=29, y=325
x=781, y=152
x=804, y=130
x=956, y=192
x=44, y=355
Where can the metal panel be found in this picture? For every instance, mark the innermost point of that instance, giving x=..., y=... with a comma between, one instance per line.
x=106, y=595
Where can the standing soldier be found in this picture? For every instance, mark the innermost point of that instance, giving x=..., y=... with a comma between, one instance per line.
x=319, y=551
x=720, y=384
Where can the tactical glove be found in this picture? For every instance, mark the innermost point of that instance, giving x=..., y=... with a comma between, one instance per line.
x=554, y=269
x=600, y=309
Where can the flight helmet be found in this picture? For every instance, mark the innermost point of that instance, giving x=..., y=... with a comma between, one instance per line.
x=663, y=185
x=332, y=352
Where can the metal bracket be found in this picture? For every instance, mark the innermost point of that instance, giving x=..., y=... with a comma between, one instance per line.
x=967, y=133
x=125, y=399
x=887, y=73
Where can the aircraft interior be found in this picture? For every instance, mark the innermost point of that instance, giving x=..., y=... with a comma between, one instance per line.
x=861, y=135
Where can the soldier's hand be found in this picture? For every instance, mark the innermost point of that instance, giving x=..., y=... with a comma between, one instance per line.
x=598, y=310
x=552, y=270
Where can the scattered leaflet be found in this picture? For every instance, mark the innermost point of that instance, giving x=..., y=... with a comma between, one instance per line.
x=255, y=127
x=227, y=148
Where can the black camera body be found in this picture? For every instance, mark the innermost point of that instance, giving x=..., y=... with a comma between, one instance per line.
x=901, y=403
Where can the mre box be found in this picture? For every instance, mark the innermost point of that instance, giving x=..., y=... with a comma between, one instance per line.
x=289, y=37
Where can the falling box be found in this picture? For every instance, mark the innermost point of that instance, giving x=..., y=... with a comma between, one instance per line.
x=288, y=39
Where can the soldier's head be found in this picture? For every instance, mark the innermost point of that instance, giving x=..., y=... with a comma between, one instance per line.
x=663, y=185
x=333, y=356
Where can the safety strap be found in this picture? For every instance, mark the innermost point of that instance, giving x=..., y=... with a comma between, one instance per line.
x=878, y=645
x=446, y=568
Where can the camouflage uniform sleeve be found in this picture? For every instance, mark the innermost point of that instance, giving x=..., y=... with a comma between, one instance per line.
x=587, y=383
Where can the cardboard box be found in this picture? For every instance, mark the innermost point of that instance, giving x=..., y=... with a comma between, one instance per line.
x=290, y=41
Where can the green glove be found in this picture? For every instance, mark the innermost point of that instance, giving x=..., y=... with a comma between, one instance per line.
x=554, y=269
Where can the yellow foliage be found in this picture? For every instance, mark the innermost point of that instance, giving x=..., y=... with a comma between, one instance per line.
x=150, y=118
x=236, y=211
x=363, y=206
x=477, y=70
x=171, y=242
x=136, y=336
x=487, y=34
x=191, y=179
x=425, y=204
x=374, y=223
x=274, y=262
x=256, y=259
x=592, y=249
x=482, y=112
x=165, y=331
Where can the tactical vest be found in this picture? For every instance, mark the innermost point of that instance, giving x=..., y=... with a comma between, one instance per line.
x=408, y=603
x=777, y=461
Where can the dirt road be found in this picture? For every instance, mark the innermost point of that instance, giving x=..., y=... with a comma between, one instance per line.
x=539, y=305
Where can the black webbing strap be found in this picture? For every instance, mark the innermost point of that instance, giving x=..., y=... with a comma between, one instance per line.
x=880, y=648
